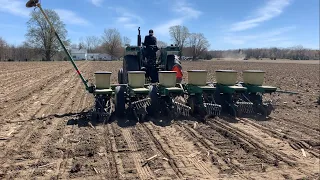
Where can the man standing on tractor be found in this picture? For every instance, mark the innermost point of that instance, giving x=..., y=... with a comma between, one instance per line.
x=150, y=42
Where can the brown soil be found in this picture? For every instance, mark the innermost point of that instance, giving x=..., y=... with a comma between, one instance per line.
x=43, y=134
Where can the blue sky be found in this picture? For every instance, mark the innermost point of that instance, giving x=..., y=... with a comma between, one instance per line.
x=227, y=24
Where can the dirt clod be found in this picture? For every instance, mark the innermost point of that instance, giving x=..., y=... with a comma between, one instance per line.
x=76, y=168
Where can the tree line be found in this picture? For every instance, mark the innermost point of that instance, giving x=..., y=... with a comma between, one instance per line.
x=42, y=44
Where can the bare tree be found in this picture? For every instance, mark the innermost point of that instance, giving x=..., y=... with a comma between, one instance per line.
x=126, y=41
x=112, y=43
x=198, y=44
x=91, y=43
x=179, y=35
x=40, y=35
x=3, y=46
x=161, y=44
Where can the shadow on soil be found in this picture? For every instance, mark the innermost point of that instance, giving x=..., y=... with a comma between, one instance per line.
x=82, y=119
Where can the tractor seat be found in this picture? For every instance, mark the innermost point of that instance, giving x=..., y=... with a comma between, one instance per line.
x=103, y=91
x=140, y=90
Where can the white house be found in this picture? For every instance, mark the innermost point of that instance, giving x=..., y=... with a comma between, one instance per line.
x=105, y=57
x=93, y=56
x=82, y=54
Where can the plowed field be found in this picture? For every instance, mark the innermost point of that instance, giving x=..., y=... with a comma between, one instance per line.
x=44, y=135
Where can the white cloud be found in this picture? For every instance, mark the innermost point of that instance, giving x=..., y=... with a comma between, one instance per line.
x=271, y=10
x=97, y=2
x=14, y=7
x=126, y=18
x=70, y=17
x=274, y=36
x=185, y=12
x=163, y=29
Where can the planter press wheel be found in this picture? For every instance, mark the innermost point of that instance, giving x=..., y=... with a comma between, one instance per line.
x=153, y=109
x=120, y=76
x=120, y=101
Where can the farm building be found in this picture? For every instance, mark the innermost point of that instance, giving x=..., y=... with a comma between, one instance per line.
x=93, y=56
x=82, y=54
x=79, y=54
x=98, y=56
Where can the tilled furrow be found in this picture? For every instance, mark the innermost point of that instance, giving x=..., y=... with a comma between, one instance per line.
x=144, y=172
x=46, y=93
x=51, y=127
x=20, y=77
x=158, y=163
x=127, y=167
x=294, y=142
x=160, y=145
x=55, y=147
x=271, y=147
x=233, y=151
x=210, y=149
x=244, y=137
x=183, y=152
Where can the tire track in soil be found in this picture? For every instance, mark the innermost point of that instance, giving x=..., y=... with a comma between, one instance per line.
x=274, y=147
x=225, y=128
x=126, y=167
x=294, y=123
x=301, y=136
x=163, y=148
x=199, y=158
x=143, y=172
x=29, y=96
x=209, y=151
x=294, y=142
x=54, y=125
x=159, y=165
x=234, y=154
x=182, y=153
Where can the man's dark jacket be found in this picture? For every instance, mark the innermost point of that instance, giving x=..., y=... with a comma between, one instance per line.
x=150, y=40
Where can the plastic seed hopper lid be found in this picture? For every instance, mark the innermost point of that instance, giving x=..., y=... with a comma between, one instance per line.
x=103, y=72
x=230, y=71
x=253, y=71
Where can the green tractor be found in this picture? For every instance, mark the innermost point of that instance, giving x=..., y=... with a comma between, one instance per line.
x=134, y=96
x=136, y=59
